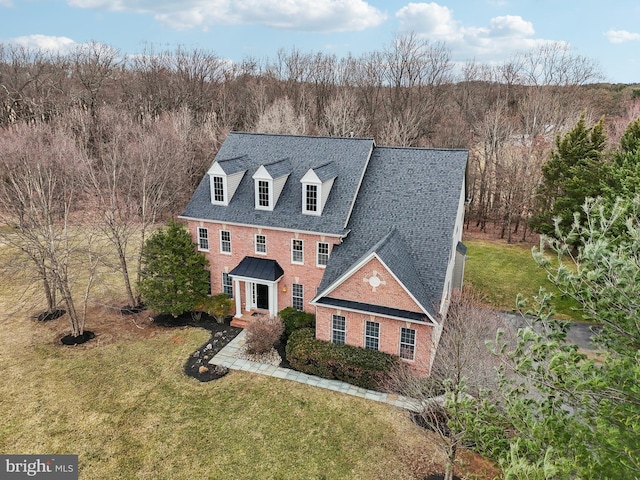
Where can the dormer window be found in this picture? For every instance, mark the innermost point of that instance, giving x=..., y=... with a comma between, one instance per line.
x=316, y=186
x=269, y=182
x=217, y=189
x=263, y=194
x=311, y=201
x=224, y=178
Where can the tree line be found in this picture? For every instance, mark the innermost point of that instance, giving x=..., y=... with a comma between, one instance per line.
x=408, y=93
x=93, y=136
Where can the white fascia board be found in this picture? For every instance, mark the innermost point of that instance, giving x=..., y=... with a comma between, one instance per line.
x=262, y=174
x=310, y=177
x=216, y=169
x=349, y=273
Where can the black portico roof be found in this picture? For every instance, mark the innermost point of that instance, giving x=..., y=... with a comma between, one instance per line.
x=258, y=269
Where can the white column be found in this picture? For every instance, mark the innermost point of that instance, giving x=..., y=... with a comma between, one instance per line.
x=237, y=297
x=273, y=299
x=248, y=293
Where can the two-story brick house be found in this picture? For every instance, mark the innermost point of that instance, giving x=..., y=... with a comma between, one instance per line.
x=366, y=237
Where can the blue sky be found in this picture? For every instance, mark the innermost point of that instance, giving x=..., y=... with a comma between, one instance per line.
x=490, y=31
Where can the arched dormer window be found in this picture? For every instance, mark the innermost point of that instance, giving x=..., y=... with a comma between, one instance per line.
x=316, y=186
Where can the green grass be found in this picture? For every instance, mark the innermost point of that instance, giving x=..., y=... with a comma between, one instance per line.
x=500, y=271
x=129, y=412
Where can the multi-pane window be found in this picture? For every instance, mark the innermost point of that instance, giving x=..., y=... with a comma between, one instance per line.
x=338, y=329
x=323, y=254
x=263, y=193
x=311, y=202
x=227, y=285
x=407, y=343
x=371, y=335
x=297, y=296
x=218, y=189
x=261, y=244
x=297, y=253
x=225, y=241
x=203, y=239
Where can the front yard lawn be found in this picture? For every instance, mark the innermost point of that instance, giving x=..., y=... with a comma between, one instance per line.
x=123, y=403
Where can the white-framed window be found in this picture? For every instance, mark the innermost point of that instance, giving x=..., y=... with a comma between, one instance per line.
x=227, y=284
x=407, y=343
x=263, y=194
x=371, y=335
x=311, y=198
x=322, y=257
x=261, y=244
x=338, y=329
x=297, y=251
x=297, y=296
x=217, y=188
x=225, y=241
x=203, y=239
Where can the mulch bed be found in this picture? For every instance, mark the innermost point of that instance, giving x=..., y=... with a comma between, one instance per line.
x=197, y=365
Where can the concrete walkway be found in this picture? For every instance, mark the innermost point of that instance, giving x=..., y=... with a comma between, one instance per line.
x=227, y=358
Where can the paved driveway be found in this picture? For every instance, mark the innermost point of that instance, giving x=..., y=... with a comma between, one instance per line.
x=580, y=333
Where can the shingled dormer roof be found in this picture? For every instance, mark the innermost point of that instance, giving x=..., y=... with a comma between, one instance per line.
x=349, y=157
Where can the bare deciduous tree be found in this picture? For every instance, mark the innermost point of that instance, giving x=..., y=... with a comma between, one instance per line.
x=464, y=369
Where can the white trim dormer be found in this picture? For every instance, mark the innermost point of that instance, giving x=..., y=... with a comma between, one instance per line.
x=269, y=181
x=316, y=186
x=224, y=181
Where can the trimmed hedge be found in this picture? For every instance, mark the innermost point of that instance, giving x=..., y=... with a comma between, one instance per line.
x=358, y=366
x=294, y=319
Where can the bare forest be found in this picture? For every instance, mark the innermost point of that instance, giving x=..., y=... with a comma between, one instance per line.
x=120, y=142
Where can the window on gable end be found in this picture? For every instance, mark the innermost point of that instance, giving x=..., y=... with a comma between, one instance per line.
x=338, y=329
x=407, y=343
x=371, y=335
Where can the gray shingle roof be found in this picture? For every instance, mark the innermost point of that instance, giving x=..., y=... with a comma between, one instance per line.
x=234, y=165
x=406, y=212
x=406, y=203
x=326, y=172
x=279, y=168
x=349, y=156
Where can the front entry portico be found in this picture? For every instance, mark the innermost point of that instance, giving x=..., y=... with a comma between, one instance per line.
x=260, y=277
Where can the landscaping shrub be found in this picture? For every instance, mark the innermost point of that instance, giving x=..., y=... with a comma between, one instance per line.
x=295, y=319
x=263, y=333
x=357, y=366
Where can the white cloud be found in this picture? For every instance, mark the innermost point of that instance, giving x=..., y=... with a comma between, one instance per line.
x=504, y=34
x=429, y=19
x=305, y=15
x=6, y=3
x=621, y=36
x=44, y=42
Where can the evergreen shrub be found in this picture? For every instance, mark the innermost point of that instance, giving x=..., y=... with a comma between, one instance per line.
x=358, y=366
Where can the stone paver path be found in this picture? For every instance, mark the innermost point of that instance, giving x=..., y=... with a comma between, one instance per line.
x=227, y=358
